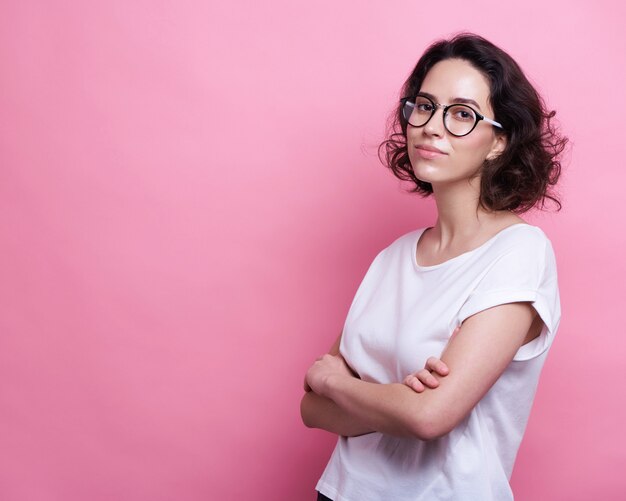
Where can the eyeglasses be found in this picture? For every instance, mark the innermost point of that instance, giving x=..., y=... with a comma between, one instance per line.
x=458, y=119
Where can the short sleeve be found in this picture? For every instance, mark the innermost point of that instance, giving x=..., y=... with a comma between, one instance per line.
x=524, y=272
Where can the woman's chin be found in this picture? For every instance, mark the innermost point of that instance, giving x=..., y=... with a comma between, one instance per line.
x=427, y=173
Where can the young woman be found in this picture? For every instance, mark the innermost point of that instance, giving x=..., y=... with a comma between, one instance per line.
x=478, y=290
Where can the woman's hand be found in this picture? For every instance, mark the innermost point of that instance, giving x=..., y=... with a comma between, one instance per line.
x=324, y=367
x=423, y=379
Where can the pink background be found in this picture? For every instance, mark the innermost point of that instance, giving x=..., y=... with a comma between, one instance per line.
x=189, y=197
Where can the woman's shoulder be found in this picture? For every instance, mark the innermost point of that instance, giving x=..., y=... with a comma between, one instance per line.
x=522, y=232
x=407, y=240
x=398, y=249
x=523, y=235
x=521, y=246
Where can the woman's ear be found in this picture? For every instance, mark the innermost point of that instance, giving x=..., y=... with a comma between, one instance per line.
x=499, y=145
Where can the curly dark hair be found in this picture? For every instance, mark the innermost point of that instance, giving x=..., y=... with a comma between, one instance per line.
x=523, y=175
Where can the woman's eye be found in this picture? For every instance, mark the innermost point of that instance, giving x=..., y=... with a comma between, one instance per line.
x=463, y=115
x=425, y=107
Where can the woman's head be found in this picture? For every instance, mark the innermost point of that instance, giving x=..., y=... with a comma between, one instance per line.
x=517, y=163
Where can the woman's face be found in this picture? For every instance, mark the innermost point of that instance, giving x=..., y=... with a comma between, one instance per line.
x=459, y=158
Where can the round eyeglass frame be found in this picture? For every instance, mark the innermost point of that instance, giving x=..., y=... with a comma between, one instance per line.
x=445, y=108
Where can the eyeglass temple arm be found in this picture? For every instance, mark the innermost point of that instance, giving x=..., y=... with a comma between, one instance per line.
x=492, y=122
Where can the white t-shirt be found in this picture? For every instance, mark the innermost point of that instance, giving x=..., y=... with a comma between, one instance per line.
x=403, y=313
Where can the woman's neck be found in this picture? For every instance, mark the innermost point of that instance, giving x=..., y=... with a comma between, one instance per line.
x=460, y=218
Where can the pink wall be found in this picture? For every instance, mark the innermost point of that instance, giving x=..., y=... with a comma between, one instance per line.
x=189, y=196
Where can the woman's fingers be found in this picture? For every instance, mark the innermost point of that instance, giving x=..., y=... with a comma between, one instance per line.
x=433, y=364
x=427, y=378
x=415, y=384
x=423, y=379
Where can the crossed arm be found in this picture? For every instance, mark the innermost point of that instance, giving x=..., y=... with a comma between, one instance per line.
x=476, y=356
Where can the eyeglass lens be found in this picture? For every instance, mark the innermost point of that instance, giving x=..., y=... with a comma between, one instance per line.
x=458, y=118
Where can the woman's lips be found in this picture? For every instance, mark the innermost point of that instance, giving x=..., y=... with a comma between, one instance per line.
x=429, y=152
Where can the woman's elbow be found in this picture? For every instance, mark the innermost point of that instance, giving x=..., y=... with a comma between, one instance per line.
x=305, y=411
x=427, y=432
x=431, y=425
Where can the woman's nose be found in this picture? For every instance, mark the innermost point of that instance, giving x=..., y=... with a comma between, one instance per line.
x=435, y=127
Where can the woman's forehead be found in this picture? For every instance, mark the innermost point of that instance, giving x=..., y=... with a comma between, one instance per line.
x=456, y=79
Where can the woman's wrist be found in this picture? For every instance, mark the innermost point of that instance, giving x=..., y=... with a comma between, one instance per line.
x=333, y=383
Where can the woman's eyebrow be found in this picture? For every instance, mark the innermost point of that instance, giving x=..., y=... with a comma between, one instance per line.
x=463, y=100
x=459, y=100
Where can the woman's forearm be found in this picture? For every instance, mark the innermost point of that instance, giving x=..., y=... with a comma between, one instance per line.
x=393, y=409
x=321, y=412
